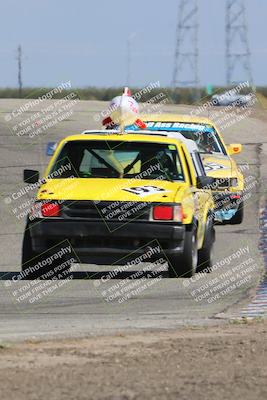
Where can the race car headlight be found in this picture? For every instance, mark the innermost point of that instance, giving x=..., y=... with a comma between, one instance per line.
x=234, y=182
x=167, y=213
x=221, y=183
x=225, y=183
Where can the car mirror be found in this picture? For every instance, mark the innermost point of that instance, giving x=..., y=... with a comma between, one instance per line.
x=235, y=148
x=205, y=182
x=30, y=176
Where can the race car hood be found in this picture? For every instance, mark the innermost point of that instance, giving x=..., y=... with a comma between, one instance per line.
x=103, y=189
x=219, y=166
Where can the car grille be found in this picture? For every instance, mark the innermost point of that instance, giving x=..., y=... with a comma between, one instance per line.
x=106, y=210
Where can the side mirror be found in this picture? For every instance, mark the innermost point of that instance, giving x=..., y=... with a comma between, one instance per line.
x=235, y=148
x=30, y=176
x=205, y=182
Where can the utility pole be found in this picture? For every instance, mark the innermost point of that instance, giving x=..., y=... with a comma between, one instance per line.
x=129, y=61
x=237, y=46
x=185, y=72
x=19, y=58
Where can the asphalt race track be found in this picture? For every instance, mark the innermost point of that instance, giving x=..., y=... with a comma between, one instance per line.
x=80, y=306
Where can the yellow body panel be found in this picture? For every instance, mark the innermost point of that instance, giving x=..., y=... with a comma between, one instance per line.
x=196, y=203
x=107, y=189
x=229, y=167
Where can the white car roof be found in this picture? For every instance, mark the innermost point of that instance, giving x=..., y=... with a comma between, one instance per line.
x=191, y=145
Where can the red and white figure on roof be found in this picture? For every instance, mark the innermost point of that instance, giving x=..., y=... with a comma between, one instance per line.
x=124, y=111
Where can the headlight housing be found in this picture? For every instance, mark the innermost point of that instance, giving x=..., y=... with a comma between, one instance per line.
x=225, y=183
x=234, y=182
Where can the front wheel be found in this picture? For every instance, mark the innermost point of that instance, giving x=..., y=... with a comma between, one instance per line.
x=205, y=254
x=184, y=265
x=239, y=215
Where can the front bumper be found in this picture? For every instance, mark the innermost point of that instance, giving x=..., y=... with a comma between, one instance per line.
x=95, y=241
x=226, y=205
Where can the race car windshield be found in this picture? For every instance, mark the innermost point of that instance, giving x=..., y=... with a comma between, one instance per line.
x=115, y=159
x=207, y=142
x=205, y=136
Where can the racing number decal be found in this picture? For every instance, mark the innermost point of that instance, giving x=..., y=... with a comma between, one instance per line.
x=210, y=166
x=145, y=190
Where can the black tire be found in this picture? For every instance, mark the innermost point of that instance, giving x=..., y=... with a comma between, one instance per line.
x=28, y=256
x=239, y=215
x=30, y=259
x=27, y=252
x=185, y=265
x=205, y=254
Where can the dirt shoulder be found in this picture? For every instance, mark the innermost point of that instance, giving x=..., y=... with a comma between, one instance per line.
x=192, y=363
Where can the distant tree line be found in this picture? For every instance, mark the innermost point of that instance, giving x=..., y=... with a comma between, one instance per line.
x=173, y=96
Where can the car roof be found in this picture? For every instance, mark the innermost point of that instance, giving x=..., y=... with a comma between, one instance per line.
x=145, y=135
x=168, y=117
x=191, y=144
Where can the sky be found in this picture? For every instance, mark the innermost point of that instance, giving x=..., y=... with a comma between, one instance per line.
x=85, y=41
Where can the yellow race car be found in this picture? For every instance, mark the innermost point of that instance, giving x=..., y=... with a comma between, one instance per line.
x=229, y=180
x=114, y=196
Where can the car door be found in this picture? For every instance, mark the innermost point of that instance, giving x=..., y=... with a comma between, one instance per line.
x=202, y=197
x=197, y=195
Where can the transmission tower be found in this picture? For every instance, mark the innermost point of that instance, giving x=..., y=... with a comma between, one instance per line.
x=237, y=47
x=185, y=71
